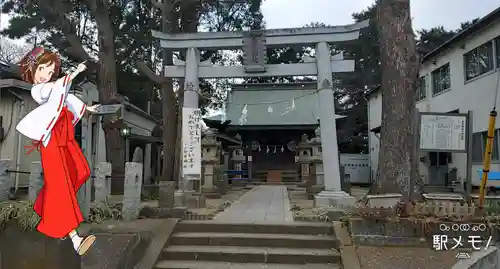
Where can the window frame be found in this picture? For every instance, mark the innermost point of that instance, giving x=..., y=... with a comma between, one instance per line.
x=477, y=50
x=495, y=154
x=438, y=71
x=421, y=93
x=496, y=51
x=78, y=133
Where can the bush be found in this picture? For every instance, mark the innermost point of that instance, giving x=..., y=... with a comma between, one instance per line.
x=23, y=213
x=20, y=211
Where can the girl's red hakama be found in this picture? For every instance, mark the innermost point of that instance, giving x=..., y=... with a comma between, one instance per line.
x=65, y=169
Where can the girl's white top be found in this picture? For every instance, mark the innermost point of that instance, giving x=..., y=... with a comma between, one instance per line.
x=51, y=97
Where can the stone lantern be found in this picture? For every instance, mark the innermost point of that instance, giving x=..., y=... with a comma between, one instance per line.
x=304, y=152
x=238, y=156
x=210, y=148
x=316, y=165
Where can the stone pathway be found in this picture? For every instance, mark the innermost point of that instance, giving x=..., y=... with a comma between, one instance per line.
x=264, y=203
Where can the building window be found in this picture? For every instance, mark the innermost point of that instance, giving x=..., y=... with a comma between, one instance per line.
x=479, y=146
x=441, y=79
x=479, y=61
x=421, y=89
x=497, y=44
x=78, y=133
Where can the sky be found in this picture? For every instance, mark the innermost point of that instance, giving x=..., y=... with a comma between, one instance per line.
x=426, y=13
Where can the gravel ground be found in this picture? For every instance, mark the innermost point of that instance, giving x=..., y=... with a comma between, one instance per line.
x=404, y=258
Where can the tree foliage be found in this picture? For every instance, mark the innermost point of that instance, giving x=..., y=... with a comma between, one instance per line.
x=117, y=34
x=130, y=24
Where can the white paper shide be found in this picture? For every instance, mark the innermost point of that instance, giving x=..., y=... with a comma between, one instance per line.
x=191, y=141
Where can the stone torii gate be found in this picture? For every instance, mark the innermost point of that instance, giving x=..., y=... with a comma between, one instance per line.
x=254, y=45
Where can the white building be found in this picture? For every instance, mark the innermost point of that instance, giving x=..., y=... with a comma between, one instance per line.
x=458, y=76
x=16, y=102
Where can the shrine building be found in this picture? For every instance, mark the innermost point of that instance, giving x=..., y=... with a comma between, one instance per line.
x=271, y=120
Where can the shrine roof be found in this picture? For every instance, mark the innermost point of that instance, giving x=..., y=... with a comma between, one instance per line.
x=274, y=104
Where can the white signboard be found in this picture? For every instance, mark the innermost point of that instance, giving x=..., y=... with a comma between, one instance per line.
x=191, y=141
x=443, y=132
x=108, y=109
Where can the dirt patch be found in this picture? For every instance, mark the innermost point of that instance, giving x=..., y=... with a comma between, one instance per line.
x=405, y=258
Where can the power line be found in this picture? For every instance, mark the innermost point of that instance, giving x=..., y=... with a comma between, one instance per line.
x=279, y=101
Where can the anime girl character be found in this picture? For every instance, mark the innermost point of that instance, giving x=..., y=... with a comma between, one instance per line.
x=51, y=126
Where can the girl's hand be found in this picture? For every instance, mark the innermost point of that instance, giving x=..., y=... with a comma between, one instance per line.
x=81, y=67
x=94, y=108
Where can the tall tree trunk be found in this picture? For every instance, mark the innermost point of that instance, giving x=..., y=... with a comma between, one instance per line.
x=169, y=127
x=56, y=11
x=399, y=63
x=178, y=130
x=108, y=89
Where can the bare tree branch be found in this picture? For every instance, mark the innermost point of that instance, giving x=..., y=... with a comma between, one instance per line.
x=11, y=52
x=158, y=4
x=56, y=9
x=156, y=79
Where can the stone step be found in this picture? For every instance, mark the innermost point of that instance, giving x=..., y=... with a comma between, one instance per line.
x=255, y=240
x=211, y=226
x=250, y=254
x=230, y=265
x=264, y=182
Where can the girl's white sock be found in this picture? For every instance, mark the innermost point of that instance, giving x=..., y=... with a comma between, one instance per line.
x=76, y=239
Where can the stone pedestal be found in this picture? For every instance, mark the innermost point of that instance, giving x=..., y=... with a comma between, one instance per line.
x=210, y=152
x=384, y=200
x=166, y=191
x=132, y=191
x=5, y=179
x=36, y=180
x=179, y=204
x=334, y=200
x=102, y=183
x=196, y=201
x=238, y=159
x=147, y=164
x=208, y=178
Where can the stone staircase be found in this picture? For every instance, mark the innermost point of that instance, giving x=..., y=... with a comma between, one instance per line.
x=288, y=177
x=224, y=245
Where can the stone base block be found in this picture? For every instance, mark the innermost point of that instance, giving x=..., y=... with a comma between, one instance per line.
x=334, y=200
x=179, y=212
x=209, y=191
x=166, y=191
x=312, y=190
x=212, y=195
x=384, y=200
x=196, y=201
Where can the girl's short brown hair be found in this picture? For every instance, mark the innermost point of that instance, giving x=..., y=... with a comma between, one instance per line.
x=37, y=56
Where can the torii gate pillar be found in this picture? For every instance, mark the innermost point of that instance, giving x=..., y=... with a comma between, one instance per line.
x=333, y=194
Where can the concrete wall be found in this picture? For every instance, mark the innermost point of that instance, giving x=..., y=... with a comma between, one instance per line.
x=374, y=121
x=476, y=95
